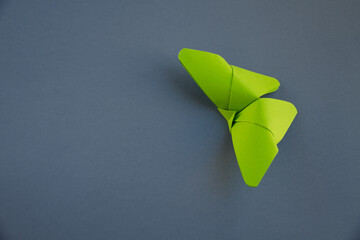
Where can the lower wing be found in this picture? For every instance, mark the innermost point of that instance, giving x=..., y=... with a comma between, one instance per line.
x=256, y=131
x=255, y=150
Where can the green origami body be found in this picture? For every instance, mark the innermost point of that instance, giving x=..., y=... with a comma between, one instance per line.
x=256, y=124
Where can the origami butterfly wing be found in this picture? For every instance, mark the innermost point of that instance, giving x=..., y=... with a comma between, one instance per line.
x=255, y=150
x=255, y=133
x=211, y=72
x=248, y=86
x=228, y=87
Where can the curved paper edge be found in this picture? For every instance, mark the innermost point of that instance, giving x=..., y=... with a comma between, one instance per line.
x=273, y=114
x=211, y=72
x=259, y=83
x=255, y=150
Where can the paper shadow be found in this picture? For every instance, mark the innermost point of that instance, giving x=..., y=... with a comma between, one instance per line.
x=2, y=235
x=2, y=5
x=184, y=84
x=227, y=170
x=225, y=164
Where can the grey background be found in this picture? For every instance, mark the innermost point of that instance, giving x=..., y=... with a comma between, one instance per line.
x=104, y=135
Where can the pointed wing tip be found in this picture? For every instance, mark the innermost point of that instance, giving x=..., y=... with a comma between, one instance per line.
x=185, y=52
x=275, y=83
x=293, y=109
x=182, y=53
x=254, y=179
x=188, y=52
x=252, y=184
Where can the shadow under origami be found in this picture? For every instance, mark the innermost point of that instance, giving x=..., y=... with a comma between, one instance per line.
x=224, y=162
x=2, y=5
x=183, y=84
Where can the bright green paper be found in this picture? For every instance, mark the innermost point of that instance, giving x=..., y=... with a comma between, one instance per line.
x=256, y=124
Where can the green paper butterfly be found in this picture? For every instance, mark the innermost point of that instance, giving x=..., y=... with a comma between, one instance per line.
x=256, y=124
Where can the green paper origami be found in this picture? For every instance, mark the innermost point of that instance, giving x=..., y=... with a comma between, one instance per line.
x=256, y=124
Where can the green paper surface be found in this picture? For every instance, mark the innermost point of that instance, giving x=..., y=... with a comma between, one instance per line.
x=256, y=124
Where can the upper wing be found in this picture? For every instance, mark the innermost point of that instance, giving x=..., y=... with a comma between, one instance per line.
x=211, y=72
x=255, y=150
x=229, y=87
